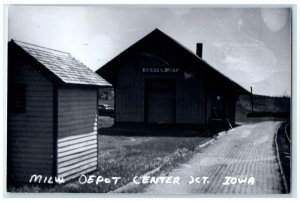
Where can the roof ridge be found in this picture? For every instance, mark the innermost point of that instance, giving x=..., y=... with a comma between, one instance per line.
x=41, y=46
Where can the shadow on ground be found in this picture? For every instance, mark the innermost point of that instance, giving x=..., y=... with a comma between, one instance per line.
x=155, y=130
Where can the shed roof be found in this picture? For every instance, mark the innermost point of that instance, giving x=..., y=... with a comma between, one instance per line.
x=62, y=65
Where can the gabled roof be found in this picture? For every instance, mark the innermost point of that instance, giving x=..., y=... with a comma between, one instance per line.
x=62, y=65
x=103, y=71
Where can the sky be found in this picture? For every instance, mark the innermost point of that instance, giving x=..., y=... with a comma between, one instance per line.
x=252, y=46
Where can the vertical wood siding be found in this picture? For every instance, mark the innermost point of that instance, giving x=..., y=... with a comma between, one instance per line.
x=190, y=101
x=30, y=140
x=77, y=132
x=210, y=99
x=130, y=95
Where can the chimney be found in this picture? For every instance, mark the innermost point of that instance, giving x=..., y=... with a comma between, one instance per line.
x=199, y=49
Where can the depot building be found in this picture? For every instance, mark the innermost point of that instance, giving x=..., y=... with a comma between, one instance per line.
x=159, y=81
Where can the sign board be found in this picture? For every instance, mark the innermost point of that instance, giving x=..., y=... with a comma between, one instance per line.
x=160, y=70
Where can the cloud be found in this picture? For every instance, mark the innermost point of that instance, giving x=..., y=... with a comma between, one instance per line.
x=240, y=23
x=251, y=64
x=247, y=64
x=275, y=19
x=179, y=11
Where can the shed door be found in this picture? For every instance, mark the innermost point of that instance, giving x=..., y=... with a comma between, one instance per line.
x=160, y=101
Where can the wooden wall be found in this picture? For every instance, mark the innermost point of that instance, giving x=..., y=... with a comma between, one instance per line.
x=190, y=101
x=77, y=132
x=129, y=98
x=130, y=95
x=30, y=134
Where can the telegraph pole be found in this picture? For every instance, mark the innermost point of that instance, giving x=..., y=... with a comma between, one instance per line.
x=251, y=100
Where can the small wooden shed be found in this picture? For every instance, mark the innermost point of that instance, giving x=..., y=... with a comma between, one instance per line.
x=52, y=114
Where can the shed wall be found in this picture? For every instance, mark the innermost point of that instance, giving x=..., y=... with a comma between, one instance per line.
x=77, y=132
x=30, y=134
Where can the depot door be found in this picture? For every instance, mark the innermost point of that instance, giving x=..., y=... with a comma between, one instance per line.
x=160, y=101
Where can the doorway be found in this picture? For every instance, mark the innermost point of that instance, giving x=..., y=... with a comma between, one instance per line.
x=160, y=101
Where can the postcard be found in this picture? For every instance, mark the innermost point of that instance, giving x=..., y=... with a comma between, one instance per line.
x=149, y=100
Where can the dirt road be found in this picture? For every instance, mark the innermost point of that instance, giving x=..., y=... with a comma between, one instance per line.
x=239, y=162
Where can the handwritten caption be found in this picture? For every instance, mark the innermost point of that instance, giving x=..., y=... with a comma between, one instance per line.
x=93, y=179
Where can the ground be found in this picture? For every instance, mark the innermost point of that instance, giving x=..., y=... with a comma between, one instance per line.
x=244, y=152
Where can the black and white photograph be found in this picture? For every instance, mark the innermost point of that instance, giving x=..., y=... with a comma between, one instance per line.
x=149, y=100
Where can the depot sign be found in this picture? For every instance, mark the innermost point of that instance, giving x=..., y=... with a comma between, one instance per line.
x=160, y=70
